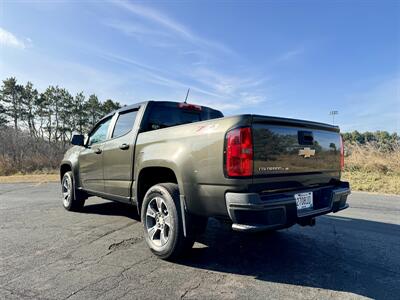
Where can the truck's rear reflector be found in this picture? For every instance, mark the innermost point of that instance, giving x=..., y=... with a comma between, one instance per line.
x=341, y=153
x=189, y=106
x=239, y=152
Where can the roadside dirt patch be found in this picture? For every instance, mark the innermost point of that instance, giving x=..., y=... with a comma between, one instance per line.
x=42, y=178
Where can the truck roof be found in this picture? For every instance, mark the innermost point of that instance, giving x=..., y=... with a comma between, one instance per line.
x=272, y=119
x=136, y=105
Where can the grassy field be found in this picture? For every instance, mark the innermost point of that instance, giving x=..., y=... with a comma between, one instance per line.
x=369, y=169
x=373, y=182
x=37, y=178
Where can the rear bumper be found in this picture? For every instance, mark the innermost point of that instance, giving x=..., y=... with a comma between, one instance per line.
x=257, y=212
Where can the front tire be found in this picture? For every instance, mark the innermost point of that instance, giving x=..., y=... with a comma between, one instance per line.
x=69, y=197
x=162, y=219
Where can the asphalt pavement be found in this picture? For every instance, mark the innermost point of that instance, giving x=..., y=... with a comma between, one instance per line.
x=49, y=253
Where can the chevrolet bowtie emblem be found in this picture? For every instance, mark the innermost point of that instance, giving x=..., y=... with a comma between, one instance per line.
x=307, y=152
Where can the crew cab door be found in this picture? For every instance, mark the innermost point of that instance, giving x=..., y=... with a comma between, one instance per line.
x=91, y=158
x=118, y=155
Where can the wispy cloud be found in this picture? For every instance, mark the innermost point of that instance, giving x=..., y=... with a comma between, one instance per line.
x=251, y=99
x=230, y=89
x=226, y=92
x=144, y=34
x=290, y=54
x=133, y=29
x=172, y=25
x=155, y=16
x=244, y=89
x=156, y=75
x=226, y=89
x=10, y=40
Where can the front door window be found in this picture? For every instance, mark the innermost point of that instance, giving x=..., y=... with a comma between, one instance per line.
x=100, y=133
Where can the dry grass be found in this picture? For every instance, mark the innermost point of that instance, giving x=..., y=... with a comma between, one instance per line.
x=373, y=182
x=369, y=169
x=40, y=178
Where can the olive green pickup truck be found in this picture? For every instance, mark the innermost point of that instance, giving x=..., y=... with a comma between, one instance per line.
x=180, y=164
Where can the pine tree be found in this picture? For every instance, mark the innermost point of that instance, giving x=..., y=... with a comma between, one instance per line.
x=57, y=106
x=79, y=114
x=10, y=95
x=48, y=111
x=28, y=101
x=93, y=107
x=66, y=123
x=41, y=113
x=109, y=106
x=3, y=119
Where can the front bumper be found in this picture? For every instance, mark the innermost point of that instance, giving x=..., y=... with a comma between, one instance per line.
x=258, y=212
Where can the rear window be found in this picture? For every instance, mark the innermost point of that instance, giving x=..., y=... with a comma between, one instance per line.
x=169, y=114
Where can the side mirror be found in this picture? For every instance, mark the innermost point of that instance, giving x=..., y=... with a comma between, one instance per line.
x=78, y=140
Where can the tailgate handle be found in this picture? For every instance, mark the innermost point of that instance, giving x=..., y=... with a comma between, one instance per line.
x=305, y=137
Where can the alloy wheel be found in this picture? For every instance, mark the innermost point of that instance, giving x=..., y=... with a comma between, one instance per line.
x=66, y=190
x=158, y=222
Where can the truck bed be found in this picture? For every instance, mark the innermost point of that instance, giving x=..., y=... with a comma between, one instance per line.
x=199, y=153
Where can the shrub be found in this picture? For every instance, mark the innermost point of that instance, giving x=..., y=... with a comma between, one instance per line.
x=21, y=153
x=372, y=158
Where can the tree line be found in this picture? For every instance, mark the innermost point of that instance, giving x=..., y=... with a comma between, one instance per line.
x=36, y=126
x=381, y=140
x=53, y=114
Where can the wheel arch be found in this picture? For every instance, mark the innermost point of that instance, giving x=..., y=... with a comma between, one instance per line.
x=150, y=176
x=67, y=165
x=64, y=168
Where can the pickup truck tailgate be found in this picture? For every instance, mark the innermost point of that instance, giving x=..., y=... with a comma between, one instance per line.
x=287, y=146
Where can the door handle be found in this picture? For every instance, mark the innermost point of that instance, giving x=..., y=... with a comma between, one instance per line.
x=97, y=151
x=124, y=146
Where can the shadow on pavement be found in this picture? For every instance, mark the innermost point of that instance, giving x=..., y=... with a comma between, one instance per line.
x=343, y=254
x=112, y=209
x=340, y=254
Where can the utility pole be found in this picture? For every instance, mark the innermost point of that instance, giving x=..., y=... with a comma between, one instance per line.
x=333, y=113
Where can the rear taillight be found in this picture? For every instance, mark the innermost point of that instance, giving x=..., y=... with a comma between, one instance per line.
x=341, y=153
x=239, y=152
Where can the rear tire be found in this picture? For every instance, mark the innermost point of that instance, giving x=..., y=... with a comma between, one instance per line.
x=71, y=201
x=162, y=219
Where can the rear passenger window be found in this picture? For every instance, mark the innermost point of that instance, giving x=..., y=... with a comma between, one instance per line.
x=124, y=123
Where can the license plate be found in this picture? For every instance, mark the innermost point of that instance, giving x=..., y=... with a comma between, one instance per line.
x=304, y=200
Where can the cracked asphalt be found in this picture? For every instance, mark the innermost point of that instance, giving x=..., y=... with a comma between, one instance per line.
x=49, y=253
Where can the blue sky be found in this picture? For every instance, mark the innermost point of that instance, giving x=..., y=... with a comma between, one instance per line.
x=297, y=59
